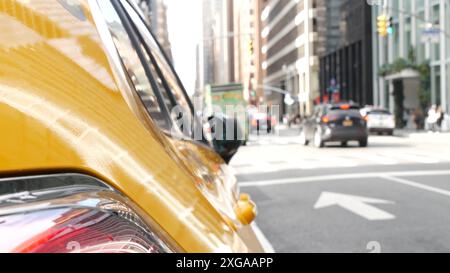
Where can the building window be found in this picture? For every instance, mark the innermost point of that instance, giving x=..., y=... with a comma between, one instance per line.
x=420, y=45
x=301, y=28
x=435, y=17
x=301, y=51
x=447, y=30
x=315, y=25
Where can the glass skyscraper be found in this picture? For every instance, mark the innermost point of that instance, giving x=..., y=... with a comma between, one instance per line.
x=422, y=34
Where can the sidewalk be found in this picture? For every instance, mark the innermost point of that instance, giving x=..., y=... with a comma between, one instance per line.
x=415, y=134
x=280, y=130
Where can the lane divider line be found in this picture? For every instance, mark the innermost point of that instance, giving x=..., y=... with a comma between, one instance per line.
x=416, y=185
x=267, y=246
x=287, y=181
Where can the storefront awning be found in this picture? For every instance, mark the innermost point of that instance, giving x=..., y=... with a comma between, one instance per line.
x=404, y=74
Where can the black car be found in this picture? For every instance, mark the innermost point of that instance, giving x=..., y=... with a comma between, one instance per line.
x=335, y=123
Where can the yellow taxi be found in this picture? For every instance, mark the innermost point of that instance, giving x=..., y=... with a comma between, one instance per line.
x=92, y=158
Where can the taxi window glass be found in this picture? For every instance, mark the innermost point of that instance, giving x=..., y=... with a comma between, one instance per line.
x=177, y=111
x=178, y=97
x=134, y=66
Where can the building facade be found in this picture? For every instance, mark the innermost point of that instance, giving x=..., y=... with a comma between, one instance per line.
x=155, y=12
x=215, y=54
x=247, y=61
x=289, y=47
x=413, y=40
x=345, y=50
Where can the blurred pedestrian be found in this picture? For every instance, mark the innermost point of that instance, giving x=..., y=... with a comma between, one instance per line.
x=432, y=119
x=418, y=118
x=410, y=124
x=405, y=118
x=295, y=120
x=269, y=118
x=440, y=117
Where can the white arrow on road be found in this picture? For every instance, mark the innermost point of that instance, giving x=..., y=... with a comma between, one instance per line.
x=356, y=204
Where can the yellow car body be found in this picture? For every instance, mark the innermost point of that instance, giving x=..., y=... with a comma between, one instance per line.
x=63, y=109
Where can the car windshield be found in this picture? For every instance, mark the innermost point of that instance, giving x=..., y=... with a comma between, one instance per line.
x=340, y=112
x=379, y=112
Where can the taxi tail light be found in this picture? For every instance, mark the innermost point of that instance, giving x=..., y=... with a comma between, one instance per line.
x=84, y=231
x=81, y=219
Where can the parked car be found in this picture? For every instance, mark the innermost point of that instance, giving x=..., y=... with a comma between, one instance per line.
x=334, y=123
x=91, y=159
x=379, y=120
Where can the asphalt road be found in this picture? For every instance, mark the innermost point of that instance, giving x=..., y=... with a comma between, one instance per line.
x=391, y=197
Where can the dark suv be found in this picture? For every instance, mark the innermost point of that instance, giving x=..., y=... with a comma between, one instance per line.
x=335, y=123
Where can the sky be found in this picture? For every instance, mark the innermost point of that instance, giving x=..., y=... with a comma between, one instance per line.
x=185, y=30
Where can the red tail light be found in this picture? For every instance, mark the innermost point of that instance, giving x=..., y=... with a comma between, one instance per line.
x=85, y=231
x=80, y=219
x=325, y=119
x=345, y=106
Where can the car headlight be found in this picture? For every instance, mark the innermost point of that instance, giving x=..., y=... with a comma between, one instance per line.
x=74, y=213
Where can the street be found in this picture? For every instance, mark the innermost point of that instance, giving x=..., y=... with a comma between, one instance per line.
x=390, y=197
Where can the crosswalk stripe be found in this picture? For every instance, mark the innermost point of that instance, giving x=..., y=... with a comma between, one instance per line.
x=306, y=164
x=265, y=167
x=282, y=142
x=415, y=158
x=443, y=156
x=339, y=162
x=375, y=158
x=310, y=158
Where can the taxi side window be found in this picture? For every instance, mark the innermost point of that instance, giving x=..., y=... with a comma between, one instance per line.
x=175, y=99
x=178, y=110
x=134, y=59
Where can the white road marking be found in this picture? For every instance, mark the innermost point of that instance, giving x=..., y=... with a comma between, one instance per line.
x=415, y=158
x=263, y=142
x=287, y=181
x=306, y=164
x=356, y=204
x=375, y=158
x=336, y=161
x=308, y=158
x=416, y=185
x=265, y=167
x=327, y=161
x=442, y=156
x=295, y=164
x=267, y=246
x=281, y=141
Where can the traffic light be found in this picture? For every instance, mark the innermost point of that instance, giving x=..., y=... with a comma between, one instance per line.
x=390, y=25
x=382, y=25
